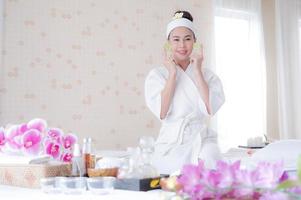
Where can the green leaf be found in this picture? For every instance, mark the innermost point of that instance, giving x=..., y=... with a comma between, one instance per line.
x=299, y=169
x=287, y=184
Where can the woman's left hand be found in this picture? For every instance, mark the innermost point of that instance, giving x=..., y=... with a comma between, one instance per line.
x=196, y=59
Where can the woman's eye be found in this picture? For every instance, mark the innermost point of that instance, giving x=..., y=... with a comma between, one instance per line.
x=188, y=39
x=176, y=40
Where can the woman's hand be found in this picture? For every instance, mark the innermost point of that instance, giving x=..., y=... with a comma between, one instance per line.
x=197, y=58
x=169, y=63
x=170, y=85
x=197, y=61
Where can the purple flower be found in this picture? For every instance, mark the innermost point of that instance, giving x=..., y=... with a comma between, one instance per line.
x=31, y=142
x=221, y=180
x=284, y=177
x=38, y=124
x=2, y=138
x=228, y=181
x=227, y=173
x=296, y=190
x=69, y=140
x=267, y=175
x=53, y=149
x=190, y=179
x=274, y=196
x=212, y=178
x=243, y=184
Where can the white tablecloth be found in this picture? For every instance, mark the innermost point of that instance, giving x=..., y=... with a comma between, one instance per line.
x=14, y=193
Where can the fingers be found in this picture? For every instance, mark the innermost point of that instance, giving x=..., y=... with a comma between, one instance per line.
x=167, y=55
x=201, y=50
x=174, y=61
x=200, y=53
x=198, y=48
x=191, y=60
x=164, y=54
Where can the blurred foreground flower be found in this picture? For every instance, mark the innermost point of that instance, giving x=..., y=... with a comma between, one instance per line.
x=229, y=181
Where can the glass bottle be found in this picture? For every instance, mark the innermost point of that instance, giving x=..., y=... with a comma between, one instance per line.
x=146, y=145
x=77, y=162
x=88, y=156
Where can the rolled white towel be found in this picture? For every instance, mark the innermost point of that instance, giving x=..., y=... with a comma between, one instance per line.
x=108, y=162
x=256, y=142
x=20, y=159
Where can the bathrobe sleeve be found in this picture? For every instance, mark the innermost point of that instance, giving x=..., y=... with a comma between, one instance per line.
x=154, y=84
x=216, y=92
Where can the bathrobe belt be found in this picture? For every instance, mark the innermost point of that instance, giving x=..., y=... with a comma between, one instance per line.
x=172, y=133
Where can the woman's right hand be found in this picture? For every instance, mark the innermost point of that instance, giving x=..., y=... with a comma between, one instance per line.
x=170, y=85
x=169, y=63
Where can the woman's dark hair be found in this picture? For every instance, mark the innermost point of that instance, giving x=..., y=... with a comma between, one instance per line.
x=186, y=14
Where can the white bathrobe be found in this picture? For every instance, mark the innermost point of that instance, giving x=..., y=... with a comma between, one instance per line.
x=184, y=136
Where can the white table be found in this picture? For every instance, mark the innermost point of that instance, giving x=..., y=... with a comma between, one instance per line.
x=14, y=193
x=18, y=193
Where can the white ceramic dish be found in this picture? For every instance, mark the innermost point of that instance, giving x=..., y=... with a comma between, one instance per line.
x=101, y=185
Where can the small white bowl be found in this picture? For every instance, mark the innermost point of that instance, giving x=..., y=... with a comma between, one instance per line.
x=101, y=185
x=73, y=185
x=48, y=185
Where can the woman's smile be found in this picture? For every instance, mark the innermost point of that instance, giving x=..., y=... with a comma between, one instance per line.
x=182, y=52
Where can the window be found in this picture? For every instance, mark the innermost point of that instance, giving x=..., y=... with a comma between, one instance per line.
x=239, y=64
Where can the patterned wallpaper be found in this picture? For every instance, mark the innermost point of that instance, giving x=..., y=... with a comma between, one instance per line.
x=81, y=64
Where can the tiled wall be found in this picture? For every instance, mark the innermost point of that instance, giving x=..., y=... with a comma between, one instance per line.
x=81, y=64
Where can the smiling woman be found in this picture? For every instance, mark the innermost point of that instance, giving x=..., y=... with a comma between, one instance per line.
x=183, y=94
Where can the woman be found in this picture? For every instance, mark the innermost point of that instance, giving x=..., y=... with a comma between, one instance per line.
x=183, y=95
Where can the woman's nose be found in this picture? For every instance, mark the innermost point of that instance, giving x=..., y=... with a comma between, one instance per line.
x=182, y=44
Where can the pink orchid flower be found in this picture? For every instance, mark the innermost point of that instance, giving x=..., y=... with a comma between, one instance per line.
x=212, y=179
x=56, y=135
x=227, y=173
x=14, y=137
x=2, y=138
x=228, y=181
x=296, y=190
x=53, y=149
x=244, y=182
x=67, y=157
x=190, y=178
x=267, y=175
x=38, y=124
x=69, y=140
x=274, y=196
x=23, y=128
x=31, y=142
x=28, y=138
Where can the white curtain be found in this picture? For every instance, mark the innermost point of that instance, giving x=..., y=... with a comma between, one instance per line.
x=1, y=32
x=288, y=25
x=240, y=63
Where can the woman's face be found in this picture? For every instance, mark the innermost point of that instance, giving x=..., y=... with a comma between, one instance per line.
x=181, y=40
